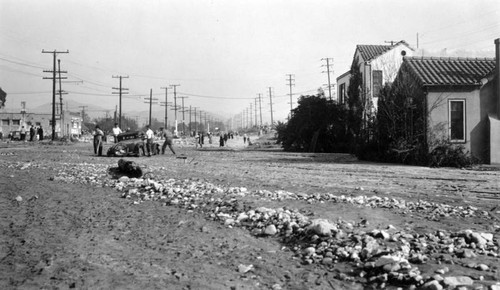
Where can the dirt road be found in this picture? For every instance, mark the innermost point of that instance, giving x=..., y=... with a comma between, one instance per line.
x=72, y=230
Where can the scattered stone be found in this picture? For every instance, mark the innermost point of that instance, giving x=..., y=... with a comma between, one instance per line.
x=465, y=253
x=322, y=227
x=458, y=281
x=482, y=267
x=309, y=251
x=244, y=268
x=382, y=255
x=19, y=198
x=432, y=285
x=270, y=230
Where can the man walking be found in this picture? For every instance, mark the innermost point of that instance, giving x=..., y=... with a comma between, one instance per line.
x=168, y=140
x=150, y=135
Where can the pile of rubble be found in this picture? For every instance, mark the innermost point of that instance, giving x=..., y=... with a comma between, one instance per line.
x=379, y=256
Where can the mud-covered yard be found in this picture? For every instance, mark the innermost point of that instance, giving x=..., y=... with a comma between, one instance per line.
x=242, y=217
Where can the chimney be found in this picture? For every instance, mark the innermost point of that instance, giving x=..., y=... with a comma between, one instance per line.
x=497, y=74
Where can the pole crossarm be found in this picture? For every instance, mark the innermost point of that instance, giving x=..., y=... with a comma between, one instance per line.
x=54, y=78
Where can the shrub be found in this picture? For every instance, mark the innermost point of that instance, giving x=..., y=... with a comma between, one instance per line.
x=451, y=155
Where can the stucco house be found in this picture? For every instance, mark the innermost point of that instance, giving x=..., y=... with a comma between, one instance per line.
x=378, y=64
x=462, y=100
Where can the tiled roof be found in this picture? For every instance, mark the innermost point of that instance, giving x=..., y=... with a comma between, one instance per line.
x=449, y=71
x=369, y=51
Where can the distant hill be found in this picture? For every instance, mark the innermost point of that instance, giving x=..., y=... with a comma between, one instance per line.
x=73, y=106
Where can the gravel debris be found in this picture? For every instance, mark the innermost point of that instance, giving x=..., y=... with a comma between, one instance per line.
x=380, y=256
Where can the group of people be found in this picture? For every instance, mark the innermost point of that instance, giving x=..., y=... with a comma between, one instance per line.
x=133, y=148
x=35, y=133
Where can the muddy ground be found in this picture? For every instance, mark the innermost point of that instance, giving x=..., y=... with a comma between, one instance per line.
x=60, y=235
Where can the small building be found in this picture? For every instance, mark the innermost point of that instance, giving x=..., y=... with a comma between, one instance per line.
x=378, y=64
x=71, y=123
x=462, y=98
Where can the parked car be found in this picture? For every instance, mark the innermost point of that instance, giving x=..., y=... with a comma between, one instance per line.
x=15, y=135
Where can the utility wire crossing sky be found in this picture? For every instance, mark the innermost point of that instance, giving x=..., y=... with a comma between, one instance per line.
x=221, y=53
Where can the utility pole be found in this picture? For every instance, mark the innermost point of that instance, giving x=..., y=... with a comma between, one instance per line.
x=246, y=110
x=151, y=99
x=290, y=83
x=271, y=104
x=183, y=110
x=328, y=65
x=83, y=112
x=60, y=97
x=206, y=123
x=175, y=107
x=120, y=92
x=251, y=117
x=195, y=120
x=255, y=109
x=54, y=53
x=190, y=120
x=200, y=120
x=166, y=107
x=260, y=108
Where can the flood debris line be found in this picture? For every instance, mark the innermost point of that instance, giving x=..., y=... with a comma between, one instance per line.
x=379, y=257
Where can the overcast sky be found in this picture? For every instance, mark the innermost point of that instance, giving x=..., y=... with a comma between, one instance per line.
x=221, y=53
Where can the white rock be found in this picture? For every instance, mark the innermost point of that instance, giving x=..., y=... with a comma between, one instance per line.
x=478, y=239
x=19, y=198
x=457, y=281
x=487, y=236
x=309, y=251
x=242, y=216
x=244, y=268
x=270, y=230
x=432, y=285
x=322, y=227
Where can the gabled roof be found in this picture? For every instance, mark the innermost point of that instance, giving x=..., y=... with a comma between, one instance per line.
x=448, y=71
x=370, y=51
x=344, y=74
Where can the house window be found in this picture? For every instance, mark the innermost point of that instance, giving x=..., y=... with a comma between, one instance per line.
x=377, y=82
x=5, y=122
x=456, y=120
x=342, y=93
x=16, y=122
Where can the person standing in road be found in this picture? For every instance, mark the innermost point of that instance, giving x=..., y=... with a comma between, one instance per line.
x=23, y=133
x=150, y=136
x=168, y=140
x=32, y=133
x=40, y=132
x=245, y=138
x=98, y=134
x=116, y=132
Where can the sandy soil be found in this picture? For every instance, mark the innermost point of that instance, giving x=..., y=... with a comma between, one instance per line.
x=59, y=235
